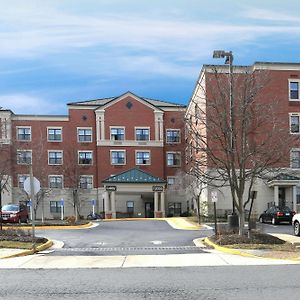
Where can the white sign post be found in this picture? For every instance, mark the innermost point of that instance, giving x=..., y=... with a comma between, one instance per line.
x=62, y=209
x=32, y=186
x=214, y=199
x=93, y=203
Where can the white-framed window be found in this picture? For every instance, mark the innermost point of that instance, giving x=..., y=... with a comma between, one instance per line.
x=86, y=182
x=173, y=136
x=24, y=133
x=21, y=179
x=142, y=134
x=24, y=157
x=295, y=158
x=118, y=157
x=55, y=207
x=85, y=157
x=54, y=134
x=55, y=157
x=142, y=157
x=173, y=159
x=171, y=180
x=294, y=123
x=84, y=135
x=117, y=133
x=55, y=181
x=298, y=195
x=294, y=89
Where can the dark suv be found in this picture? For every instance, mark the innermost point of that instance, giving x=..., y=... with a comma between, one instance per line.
x=14, y=213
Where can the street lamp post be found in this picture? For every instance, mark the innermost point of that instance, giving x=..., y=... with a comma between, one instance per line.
x=228, y=61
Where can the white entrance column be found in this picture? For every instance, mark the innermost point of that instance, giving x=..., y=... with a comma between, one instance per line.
x=155, y=204
x=294, y=198
x=106, y=204
x=162, y=204
x=276, y=196
x=113, y=204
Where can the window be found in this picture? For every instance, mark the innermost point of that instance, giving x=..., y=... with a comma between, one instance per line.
x=173, y=159
x=294, y=90
x=55, y=206
x=298, y=195
x=174, y=208
x=55, y=181
x=24, y=133
x=142, y=157
x=85, y=157
x=142, y=134
x=21, y=179
x=130, y=207
x=173, y=135
x=295, y=159
x=171, y=180
x=84, y=134
x=117, y=134
x=294, y=123
x=117, y=157
x=86, y=182
x=54, y=134
x=55, y=157
x=24, y=157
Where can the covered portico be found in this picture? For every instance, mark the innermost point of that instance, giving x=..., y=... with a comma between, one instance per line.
x=149, y=194
x=285, y=190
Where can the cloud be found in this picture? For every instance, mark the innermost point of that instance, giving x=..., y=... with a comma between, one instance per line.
x=270, y=15
x=39, y=31
x=27, y=104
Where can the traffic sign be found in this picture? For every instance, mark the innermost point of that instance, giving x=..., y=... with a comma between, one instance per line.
x=214, y=196
x=36, y=186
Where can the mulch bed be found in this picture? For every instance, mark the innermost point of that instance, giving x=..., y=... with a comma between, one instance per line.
x=19, y=236
x=255, y=238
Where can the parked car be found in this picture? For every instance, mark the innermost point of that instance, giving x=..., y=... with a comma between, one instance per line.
x=276, y=215
x=296, y=224
x=14, y=213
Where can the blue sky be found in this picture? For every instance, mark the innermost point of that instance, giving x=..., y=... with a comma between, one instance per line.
x=58, y=51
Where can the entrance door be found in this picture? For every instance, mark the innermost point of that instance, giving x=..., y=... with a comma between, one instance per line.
x=149, y=210
x=281, y=197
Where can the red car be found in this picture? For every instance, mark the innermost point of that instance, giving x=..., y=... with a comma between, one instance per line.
x=14, y=213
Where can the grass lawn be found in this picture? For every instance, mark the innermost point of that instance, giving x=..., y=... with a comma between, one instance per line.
x=17, y=245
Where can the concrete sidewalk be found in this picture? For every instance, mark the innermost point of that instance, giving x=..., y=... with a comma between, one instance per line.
x=212, y=258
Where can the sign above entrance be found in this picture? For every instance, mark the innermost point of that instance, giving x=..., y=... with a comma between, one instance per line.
x=111, y=188
x=157, y=188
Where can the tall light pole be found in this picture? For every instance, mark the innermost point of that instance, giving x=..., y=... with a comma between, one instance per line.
x=228, y=61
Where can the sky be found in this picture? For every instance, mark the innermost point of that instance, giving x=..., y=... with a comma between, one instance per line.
x=54, y=52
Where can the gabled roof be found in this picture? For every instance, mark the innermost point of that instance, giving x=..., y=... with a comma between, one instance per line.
x=283, y=176
x=104, y=101
x=134, y=176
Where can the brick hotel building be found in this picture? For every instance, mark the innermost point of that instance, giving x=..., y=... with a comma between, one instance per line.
x=281, y=84
x=120, y=154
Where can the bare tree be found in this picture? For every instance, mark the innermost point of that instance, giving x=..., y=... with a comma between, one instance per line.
x=73, y=174
x=235, y=143
x=5, y=172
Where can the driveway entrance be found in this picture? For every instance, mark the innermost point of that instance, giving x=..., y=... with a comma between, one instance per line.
x=126, y=237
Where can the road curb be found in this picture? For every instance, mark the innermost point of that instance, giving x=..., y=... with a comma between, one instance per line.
x=42, y=247
x=241, y=253
x=49, y=227
x=228, y=250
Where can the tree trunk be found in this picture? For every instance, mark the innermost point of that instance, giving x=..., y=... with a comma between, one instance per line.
x=241, y=221
x=198, y=208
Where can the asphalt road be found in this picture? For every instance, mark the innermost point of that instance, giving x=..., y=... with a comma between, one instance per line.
x=280, y=228
x=126, y=237
x=230, y=282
